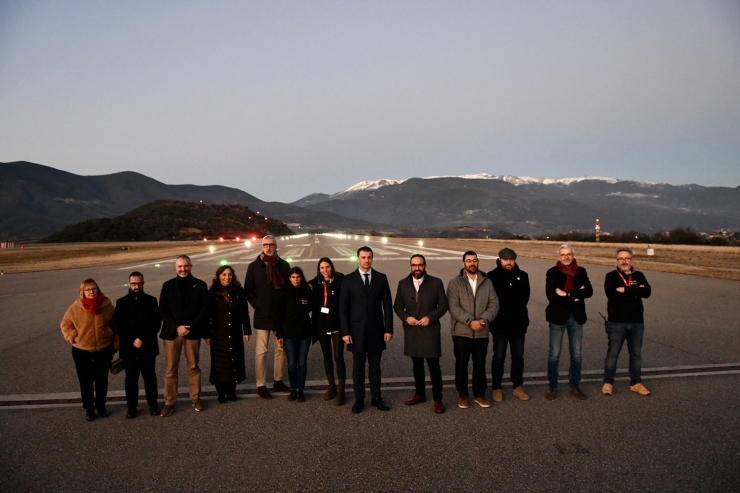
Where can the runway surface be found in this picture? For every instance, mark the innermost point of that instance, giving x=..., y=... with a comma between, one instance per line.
x=685, y=437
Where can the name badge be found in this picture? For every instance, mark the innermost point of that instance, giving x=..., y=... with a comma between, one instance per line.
x=324, y=309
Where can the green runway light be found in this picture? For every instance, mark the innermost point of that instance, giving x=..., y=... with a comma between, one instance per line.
x=125, y=285
x=289, y=260
x=156, y=265
x=353, y=258
x=224, y=262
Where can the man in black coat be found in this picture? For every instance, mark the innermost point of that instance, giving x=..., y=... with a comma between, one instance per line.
x=566, y=286
x=510, y=325
x=137, y=323
x=183, y=306
x=366, y=324
x=625, y=289
x=265, y=275
x=420, y=303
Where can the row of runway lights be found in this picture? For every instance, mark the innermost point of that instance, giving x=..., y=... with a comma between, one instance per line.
x=248, y=244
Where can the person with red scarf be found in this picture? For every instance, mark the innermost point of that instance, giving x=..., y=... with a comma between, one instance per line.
x=86, y=325
x=265, y=276
x=566, y=287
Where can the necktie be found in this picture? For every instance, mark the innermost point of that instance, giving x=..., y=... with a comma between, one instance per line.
x=367, y=282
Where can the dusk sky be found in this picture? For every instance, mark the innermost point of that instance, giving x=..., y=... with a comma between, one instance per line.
x=284, y=99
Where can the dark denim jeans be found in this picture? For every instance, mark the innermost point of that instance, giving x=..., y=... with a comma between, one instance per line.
x=297, y=352
x=575, y=343
x=618, y=332
x=516, y=343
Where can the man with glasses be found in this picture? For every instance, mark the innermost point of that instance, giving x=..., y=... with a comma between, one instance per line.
x=183, y=307
x=265, y=275
x=566, y=287
x=473, y=305
x=420, y=303
x=136, y=322
x=625, y=288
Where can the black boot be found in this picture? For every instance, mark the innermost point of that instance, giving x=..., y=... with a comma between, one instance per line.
x=332, y=391
x=293, y=395
x=301, y=397
x=340, y=399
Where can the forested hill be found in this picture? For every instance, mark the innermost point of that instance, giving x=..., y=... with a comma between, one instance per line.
x=173, y=220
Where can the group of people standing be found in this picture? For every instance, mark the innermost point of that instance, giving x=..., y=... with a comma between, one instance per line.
x=355, y=310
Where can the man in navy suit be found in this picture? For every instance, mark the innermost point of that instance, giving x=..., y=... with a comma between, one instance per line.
x=366, y=324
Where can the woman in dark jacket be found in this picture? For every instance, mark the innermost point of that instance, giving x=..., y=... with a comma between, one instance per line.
x=228, y=313
x=294, y=305
x=326, y=287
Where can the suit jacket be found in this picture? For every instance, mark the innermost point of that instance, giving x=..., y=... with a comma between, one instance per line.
x=430, y=301
x=191, y=310
x=137, y=317
x=366, y=316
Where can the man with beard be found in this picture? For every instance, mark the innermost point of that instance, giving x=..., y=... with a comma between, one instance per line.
x=420, y=303
x=510, y=325
x=265, y=275
x=473, y=304
x=137, y=323
x=566, y=286
x=183, y=307
x=625, y=288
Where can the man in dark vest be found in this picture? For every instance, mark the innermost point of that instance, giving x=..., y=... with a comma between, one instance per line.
x=510, y=325
x=183, y=306
x=265, y=275
x=366, y=325
x=137, y=323
x=420, y=303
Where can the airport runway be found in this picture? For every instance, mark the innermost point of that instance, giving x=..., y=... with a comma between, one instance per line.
x=685, y=437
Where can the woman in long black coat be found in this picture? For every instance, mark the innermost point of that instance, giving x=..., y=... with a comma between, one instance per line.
x=228, y=330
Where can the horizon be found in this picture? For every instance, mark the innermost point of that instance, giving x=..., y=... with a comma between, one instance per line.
x=294, y=98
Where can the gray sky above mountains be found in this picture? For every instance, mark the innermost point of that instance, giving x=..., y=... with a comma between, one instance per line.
x=284, y=99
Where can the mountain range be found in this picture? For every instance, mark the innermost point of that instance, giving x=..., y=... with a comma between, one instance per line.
x=37, y=200
x=530, y=206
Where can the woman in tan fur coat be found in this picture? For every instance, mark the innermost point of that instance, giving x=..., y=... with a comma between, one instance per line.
x=86, y=326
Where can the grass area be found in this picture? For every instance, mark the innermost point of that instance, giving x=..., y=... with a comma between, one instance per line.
x=39, y=258
x=707, y=261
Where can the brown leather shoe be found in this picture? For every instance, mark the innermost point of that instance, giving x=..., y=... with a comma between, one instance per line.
x=520, y=394
x=551, y=393
x=498, y=395
x=264, y=393
x=462, y=402
x=416, y=399
x=198, y=405
x=482, y=402
x=279, y=386
x=577, y=393
x=640, y=389
x=167, y=411
x=438, y=407
x=607, y=389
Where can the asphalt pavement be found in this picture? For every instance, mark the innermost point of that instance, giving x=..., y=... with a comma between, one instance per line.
x=684, y=437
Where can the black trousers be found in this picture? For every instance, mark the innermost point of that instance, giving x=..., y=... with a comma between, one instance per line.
x=333, y=357
x=465, y=347
x=144, y=366
x=358, y=374
x=516, y=345
x=435, y=374
x=92, y=372
x=225, y=388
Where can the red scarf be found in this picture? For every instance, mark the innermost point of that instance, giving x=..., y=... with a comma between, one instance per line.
x=274, y=276
x=570, y=271
x=93, y=304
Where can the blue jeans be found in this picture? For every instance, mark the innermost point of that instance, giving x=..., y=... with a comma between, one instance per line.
x=516, y=343
x=297, y=352
x=618, y=332
x=575, y=343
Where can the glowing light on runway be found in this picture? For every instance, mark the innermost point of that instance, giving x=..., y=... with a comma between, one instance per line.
x=224, y=262
x=384, y=240
x=212, y=248
x=289, y=259
x=247, y=243
x=156, y=265
x=353, y=258
x=367, y=238
x=421, y=243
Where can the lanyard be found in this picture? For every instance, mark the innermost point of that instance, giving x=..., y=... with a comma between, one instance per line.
x=627, y=282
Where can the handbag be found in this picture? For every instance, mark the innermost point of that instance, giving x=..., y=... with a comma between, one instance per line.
x=117, y=366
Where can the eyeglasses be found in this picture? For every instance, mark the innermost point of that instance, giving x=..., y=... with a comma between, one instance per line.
x=624, y=259
x=473, y=261
x=566, y=255
x=417, y=265
x=268, y=245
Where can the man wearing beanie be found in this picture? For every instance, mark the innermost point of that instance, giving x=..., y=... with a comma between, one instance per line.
x=510, y=325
